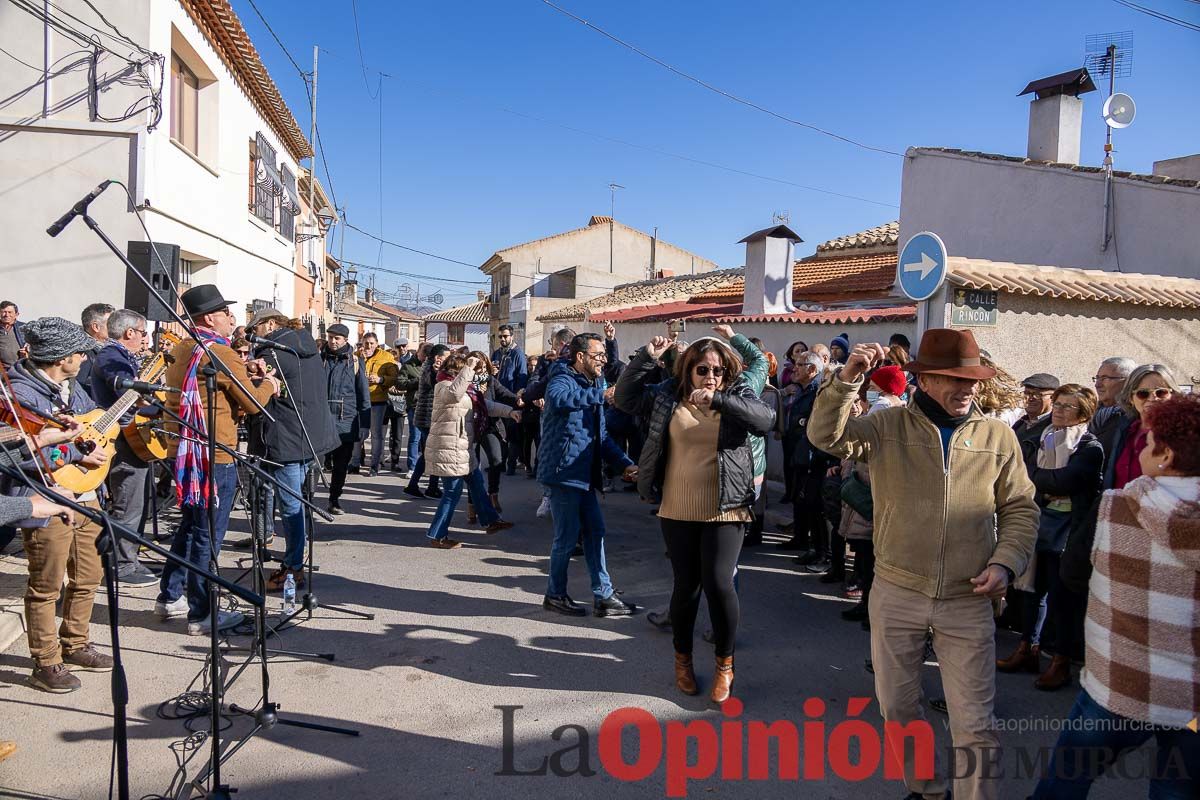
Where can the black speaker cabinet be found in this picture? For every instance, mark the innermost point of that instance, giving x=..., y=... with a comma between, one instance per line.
x=157, y=270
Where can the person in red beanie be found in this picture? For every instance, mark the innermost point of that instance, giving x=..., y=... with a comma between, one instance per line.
x=892, y=385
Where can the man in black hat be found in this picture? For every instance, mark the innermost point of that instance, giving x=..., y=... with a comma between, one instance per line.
x=214, y=324
x=1039, y=388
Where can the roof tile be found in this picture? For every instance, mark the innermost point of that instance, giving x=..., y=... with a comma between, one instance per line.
x=660, y=290
x=476, y=312
x=1074, y=284
x=823, y=274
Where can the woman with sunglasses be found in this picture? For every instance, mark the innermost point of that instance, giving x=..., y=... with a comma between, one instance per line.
x=1064, y=463
x=698, y=463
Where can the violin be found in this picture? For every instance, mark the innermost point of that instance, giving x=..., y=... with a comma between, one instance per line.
x=30, y=422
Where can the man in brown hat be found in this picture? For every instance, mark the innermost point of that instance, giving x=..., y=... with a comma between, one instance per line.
x=955, y=522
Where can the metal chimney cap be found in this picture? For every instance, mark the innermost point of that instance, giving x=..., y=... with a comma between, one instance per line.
x=1073, y=82
x=773, y=232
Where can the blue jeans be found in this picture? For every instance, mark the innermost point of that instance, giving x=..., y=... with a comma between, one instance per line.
x=291, y=511
x=414, y=438
x=1094, y=739
x=451, y=492
x=577, y=512
x=191, y=541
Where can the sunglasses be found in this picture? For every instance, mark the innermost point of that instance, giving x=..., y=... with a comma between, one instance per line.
x=1157, y=394
x=703, y=369
x=1065, y=407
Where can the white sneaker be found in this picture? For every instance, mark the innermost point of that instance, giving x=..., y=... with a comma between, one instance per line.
x=174, y=610
x=225, y=620
x=543, y=510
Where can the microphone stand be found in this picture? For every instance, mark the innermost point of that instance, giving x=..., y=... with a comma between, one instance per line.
x=106, y=545
x=217, y=790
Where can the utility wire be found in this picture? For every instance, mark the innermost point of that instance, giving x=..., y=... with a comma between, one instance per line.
x=717, y=89
x=410, y=274
x=1159, y=15
x=414, y=250
x=361, y=61
x=279, y=42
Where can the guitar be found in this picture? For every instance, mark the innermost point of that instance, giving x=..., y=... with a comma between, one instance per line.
x=144, y=435
x=100, y=429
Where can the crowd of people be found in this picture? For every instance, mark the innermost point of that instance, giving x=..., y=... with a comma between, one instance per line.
x=944, y=495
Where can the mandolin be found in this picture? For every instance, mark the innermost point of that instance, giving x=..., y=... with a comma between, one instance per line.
x=144, y=435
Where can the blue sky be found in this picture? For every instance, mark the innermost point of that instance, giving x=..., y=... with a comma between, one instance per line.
x=462, y=176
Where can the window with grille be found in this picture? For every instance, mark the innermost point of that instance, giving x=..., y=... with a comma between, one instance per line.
x=267, y=185
x=289, y=205
x=456, y=332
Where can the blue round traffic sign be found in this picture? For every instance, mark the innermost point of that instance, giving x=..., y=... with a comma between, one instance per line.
x=922, y=266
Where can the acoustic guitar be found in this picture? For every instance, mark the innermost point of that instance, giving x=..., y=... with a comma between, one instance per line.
x=144, y=435
x=100, y=429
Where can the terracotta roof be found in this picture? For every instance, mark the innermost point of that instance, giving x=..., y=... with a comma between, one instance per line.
x=886, y=235
x=665, y=311
x=1133, y=176
x=599, y=220
x=219, y=23
x=351, y=308
x=840, y=316
x=820, y=275
x=475, y=312
x=660, y=290
x=1074, y=284
x=398, y=313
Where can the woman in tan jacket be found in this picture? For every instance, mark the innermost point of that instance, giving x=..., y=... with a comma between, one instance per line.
x=460, y=415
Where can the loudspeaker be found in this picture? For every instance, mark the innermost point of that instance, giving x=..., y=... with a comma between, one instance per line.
x=137, y=297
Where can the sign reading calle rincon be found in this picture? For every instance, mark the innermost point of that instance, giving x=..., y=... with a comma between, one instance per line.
x=974, y=308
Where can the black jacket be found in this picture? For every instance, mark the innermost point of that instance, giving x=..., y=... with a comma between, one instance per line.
x=1075, y=568
x=1079, y=479
x=304, y=395
x=424, y=415
x=804, y=454
x=349, y=393
x=742, y=414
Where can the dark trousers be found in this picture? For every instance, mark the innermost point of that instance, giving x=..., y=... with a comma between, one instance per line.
x=789, y=472
x=531, y=435
x=340, y=459
x=810, y=528
x=1033, y=604
x=514, y=433
x=864, y=565
x=493, y=453
x=394, y=422
x=704, y=558
x=415, y=478
x=127, y=492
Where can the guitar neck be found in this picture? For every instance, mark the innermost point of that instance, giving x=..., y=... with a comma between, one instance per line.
x=113, y=415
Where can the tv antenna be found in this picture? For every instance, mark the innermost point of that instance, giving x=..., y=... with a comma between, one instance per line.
x=781, y=217
x=1111, y=54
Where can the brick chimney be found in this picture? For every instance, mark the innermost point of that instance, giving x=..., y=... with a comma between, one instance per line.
x=769, y=271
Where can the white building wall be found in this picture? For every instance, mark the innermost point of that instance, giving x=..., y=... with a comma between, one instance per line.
x=1031, y=214
x=201, y=204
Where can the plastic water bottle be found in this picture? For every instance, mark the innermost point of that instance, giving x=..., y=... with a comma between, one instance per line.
x=289, y=594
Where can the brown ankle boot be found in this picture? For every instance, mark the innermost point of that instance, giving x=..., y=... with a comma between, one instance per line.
x=1056, y=676
x=471, y=513
x=685, y=676
x=722, y=680
x=1026, y=658
x=495, y=498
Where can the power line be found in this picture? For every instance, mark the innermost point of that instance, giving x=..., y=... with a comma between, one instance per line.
x=279, y=42
x=409, y=274
x=381, y=240
x=669, y=154
x=1159, y=15
x=362, y=62
x=717, y=89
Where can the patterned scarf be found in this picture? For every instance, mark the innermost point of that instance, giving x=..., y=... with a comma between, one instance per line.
x=191, y=461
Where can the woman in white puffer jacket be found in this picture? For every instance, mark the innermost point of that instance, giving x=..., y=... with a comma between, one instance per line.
x=460, y=415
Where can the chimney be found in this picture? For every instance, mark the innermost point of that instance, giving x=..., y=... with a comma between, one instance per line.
x=769, y=271
x=1185, y=168
x=1056, y=116
x=350, y=290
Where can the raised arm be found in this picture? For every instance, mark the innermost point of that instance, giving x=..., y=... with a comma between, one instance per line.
x=756, y=366
x=631, y=395
x=830, y=428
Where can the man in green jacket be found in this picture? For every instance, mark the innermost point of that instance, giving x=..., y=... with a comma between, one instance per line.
x=955, y=522
x=407, y=382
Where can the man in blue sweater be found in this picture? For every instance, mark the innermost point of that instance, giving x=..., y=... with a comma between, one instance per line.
x=574, y=442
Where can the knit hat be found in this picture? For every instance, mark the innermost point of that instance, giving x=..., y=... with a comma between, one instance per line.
x=338, y=329
x=842, y=341
x=53, y=338
x=890, y=379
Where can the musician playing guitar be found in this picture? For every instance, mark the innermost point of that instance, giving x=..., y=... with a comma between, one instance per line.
x=45, y=382
x=118, y=359
x=214, y=323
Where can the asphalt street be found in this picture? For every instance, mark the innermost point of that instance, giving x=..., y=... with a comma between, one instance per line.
x=457, y=634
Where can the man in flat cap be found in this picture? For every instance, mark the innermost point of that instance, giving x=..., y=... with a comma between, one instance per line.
x=1039, y=389
x=45, y=381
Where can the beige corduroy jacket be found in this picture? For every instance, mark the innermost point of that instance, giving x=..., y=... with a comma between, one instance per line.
x=939, y=520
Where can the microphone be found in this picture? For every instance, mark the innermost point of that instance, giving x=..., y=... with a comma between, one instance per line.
x=142, y=387
x=259, y=341
x=79, y=208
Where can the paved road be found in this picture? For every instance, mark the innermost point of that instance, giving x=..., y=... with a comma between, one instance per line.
x=456, y=634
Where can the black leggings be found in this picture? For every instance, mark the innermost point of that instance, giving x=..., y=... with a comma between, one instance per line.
x=704, y=555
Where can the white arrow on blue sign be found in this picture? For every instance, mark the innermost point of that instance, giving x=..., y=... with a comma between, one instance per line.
x=922, y=266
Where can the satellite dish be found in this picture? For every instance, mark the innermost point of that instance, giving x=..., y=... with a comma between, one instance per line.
x=1119, y=111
